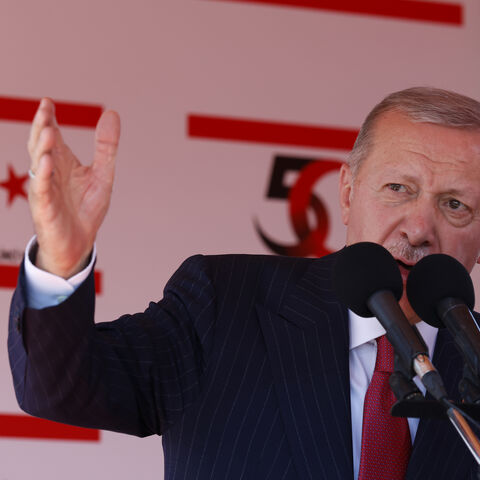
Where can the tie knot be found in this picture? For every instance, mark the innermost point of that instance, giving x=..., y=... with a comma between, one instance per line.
x=384, y=361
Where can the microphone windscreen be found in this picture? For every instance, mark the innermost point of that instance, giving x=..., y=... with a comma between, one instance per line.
x=434, y=278
x=363, y=269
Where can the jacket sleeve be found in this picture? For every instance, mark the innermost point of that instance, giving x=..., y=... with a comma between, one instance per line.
x=134, y=375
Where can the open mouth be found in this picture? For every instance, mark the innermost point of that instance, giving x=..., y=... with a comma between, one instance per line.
x=404, y=270
x=404, y=265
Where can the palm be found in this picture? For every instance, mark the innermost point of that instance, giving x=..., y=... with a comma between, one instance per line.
x=69, y=200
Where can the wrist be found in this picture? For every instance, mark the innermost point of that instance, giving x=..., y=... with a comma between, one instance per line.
x=64, y=270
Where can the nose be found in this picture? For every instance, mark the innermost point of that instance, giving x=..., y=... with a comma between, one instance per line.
x=418, y=224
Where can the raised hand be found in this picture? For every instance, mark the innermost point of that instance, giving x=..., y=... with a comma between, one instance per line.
x=68, y=200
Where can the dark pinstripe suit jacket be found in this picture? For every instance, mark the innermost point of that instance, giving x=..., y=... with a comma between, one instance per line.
x=242, y=367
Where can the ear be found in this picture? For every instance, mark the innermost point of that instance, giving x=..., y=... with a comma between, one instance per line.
x=346, y=192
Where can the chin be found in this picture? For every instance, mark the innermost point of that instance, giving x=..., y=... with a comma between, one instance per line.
x=412, y=317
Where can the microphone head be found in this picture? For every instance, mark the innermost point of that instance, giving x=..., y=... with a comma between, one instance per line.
x=361, y=270
x=434, y=278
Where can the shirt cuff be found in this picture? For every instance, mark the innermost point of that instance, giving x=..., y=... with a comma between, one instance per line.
x=44, y=289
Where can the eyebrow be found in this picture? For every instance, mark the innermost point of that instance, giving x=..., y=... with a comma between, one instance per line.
x=405, y=177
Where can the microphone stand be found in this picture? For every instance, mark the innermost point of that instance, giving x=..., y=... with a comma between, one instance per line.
x=465, y=432
x=469, y=389
x=411, y=403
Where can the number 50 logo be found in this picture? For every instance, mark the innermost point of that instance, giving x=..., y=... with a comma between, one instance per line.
x=300, y=197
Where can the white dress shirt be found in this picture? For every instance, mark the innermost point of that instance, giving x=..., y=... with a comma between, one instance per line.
x=45, y=290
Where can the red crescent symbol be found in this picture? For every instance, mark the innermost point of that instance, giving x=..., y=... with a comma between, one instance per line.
x=300, y=198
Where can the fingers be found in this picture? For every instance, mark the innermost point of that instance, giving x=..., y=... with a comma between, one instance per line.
x=42, y=183
x=44, y=146
x=41, y=194
x=107, y=136
x=43, y=117
x=43, y=133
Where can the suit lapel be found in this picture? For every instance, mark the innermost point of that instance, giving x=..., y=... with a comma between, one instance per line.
x=307, y=343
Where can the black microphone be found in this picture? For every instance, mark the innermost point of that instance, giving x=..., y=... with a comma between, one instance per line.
x=441, y=292
x=367, y=279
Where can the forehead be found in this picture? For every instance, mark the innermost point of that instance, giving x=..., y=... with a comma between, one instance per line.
x=400, y=141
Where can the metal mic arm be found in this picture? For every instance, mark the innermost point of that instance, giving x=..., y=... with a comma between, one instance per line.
x=401, y=383
x=465, y=432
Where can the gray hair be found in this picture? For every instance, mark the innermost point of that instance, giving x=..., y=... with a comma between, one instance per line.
x=420, y=104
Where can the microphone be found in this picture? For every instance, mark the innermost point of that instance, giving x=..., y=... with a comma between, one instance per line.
x=367, y=279
x=441, y=292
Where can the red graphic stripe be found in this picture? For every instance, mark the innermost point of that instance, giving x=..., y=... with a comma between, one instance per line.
x=424, y=11
x=9, y=275
x=24, y=426
x=72, y=114
x=221, y=128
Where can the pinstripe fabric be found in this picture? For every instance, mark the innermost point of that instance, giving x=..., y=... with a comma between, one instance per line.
x=435, y=439
x=242, y=367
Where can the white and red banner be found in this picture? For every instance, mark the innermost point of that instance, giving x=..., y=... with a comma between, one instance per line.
x=236, y=115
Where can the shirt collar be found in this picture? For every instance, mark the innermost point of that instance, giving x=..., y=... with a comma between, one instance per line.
x=363, y=330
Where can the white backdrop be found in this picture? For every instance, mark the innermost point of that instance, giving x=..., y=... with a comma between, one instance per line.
x=157, y=63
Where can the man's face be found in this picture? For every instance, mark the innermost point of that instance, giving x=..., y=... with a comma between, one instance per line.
x=417, y=193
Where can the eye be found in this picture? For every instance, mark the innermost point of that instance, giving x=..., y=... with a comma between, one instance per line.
x=457, y=212
x=396, y=187
x=455, y=204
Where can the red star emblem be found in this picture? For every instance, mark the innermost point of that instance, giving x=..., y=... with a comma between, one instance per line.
x=14, y=185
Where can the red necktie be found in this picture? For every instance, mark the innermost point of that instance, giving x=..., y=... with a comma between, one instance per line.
x=386, y=441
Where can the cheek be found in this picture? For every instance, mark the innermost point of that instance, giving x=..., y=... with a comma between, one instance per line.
x=369, y=224
x=464, y=248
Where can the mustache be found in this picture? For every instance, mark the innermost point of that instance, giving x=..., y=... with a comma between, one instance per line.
x=408, y=252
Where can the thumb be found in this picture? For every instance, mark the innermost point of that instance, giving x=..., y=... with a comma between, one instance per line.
x=107, y=135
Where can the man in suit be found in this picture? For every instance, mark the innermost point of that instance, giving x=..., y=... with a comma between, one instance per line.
x=250, y=367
